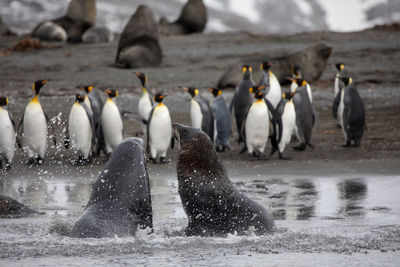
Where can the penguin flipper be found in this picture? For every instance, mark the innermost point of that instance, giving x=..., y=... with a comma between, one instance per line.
x=233, y=101
x=335, y=105
x=91, y=120
x=12, y=121
x=243, y=129
x=20, y=130
x=52, y=128
x=148, y=130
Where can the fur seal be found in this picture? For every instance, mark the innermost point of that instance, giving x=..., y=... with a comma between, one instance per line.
x=49, y=31
x=80, y=16
x=213, y=205
x=98, y=34
x=120, y=200
x=138, y=45
x=193, y=18
x=10, y=208
x=313, y=61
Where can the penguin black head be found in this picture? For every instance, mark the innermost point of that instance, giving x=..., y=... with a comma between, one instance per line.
x=340, y=66
x=79, y=98
x=296, y=71
x=255, y=89
x=159, y=97
x=346, y=80
x=215, y=91
x=266, y=65
x=259, y=94
x=287, y=95
x=111, y=93
x=301, y=82
x=3, y=101
x=192, y=91
x=246, y=68
x=38, y=85
x=142, y=77
x=87, y=88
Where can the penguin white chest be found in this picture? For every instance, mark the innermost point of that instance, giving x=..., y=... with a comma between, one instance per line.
x=160, y=131
x=195, y=114
x=257, y=127
x=340, y=112
x=293, y=87
x=7, y=136
x=336, y=86
x=80, y=130
x=35, y=130
x=88, y=103
x=112, y=125
x=288, y=125
x=309, y=92
x=145, y=106
x=275, y=92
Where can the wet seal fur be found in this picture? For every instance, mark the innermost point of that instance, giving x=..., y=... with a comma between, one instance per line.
x=312, y=60
x=213, y=205
x=98, y=34
x=139, y=45
x=120, y=200
x=49, y=31
x=193, y=19
x=10, y=208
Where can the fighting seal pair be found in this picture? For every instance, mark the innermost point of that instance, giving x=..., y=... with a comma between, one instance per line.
x=121, y=201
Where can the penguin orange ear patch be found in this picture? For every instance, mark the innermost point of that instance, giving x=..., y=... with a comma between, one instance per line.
x=244, y=69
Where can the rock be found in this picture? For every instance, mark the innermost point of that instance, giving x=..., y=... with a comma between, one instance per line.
x=98, y=34
x=312, y=60
x=49, y=31
x=10, y=208
x=80, y=16
x=193, y=18
x=138, y=45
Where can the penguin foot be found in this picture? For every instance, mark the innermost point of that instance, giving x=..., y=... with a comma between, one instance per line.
x=283, y=157
x=244, y=148
x=164, y=161
x=301, y=147
x=310, y=145
x=348, y=143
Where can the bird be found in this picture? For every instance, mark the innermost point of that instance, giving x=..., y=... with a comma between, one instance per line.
x=146, y=100
x=296, y=74
x=159, y=130
x=201, y=113
x=80, y=134
x=273, y=91
x=285, y=122
x=7, y=135
x=242, y=99
x=353, y=115
x=340, y=67
x=255, y=127
x=95, y=104
x=223, y=124
x=34, y=124
x=111, y=122
x=298, y=82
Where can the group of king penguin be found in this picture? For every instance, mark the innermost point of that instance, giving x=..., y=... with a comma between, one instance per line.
x=261, y=111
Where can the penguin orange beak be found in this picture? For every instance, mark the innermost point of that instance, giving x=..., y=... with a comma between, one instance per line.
x=163, y=96
x=45, y=81
x=107, y=91
x=261, y=87
x=186, y=89
x=291, y=79
x=138, y=74
x=210, y=90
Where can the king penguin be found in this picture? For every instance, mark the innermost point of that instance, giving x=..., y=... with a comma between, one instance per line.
x=242, y=99
x=159, y=130
x=256, y=124
x=285, y=122
x=298, y=82
x=95, y=104
x=7, y=135
x=201, y=113
x=111, y=122
x=353, y=115
x=336, y=86
x=80, y=131
x=146, y=101
x=223, y=124
x=296, y=74
x=34, y=127
x=305, y=117
x=273, y=91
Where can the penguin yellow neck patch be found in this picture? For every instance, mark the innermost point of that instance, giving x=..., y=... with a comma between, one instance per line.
x=160, y=105
x=35, y=99
x=144, y=89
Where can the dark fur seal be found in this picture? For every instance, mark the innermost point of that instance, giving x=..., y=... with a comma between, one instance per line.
x=120, y=200
x=312, y=60
x=193, y=18
x=213, y=205
x=10, y=208
x=138, y=45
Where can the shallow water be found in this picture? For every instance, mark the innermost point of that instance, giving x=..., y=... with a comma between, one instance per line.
x=341, y=220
